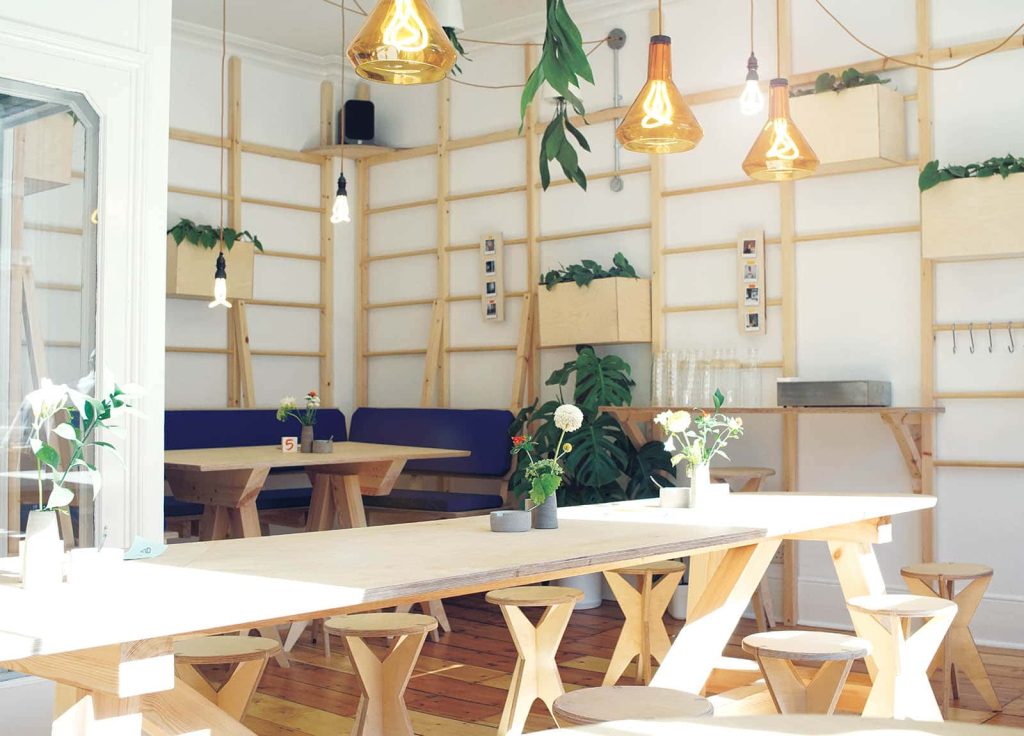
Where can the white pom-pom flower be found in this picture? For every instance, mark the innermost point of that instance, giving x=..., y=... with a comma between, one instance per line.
x=568, y=418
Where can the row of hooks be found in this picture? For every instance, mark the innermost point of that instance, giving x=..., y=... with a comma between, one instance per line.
x=970, y=328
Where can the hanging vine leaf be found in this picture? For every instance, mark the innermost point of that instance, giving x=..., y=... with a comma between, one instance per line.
x=563, y=64
x=453, y=37
x=207, y=236
x=931, y=174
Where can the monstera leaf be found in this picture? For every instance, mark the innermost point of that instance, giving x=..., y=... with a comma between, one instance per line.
x=650, y=467
x=602, y=381
x=597, y=457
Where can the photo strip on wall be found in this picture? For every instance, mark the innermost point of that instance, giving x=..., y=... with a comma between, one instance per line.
x=492, y=258
x=751, y=282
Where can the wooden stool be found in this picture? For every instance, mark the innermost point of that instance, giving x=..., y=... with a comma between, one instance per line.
x=901, y=688
x=536, y=673
x=749, y=480
x=643, y=633
x=938, y=579
x=382, y=705
x=433, y=608
x=602, y=704
x=248, y=653
x=775, y=652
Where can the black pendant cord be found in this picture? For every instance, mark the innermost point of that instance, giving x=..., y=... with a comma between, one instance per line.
x=342, y=188
x=223, y=149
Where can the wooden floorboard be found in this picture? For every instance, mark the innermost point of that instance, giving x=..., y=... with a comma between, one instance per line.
x=460, y=683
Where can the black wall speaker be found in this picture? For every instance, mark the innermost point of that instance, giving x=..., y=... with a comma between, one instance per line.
x=358, y=123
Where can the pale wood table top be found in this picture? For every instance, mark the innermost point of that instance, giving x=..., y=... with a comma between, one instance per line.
x=244, y=458
x=208, y=587
x=783, y=725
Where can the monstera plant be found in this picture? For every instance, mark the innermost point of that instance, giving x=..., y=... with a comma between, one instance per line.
x=603, y=465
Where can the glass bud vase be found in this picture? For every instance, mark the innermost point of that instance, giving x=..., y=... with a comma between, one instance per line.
x=42, y=552
x=306, y=440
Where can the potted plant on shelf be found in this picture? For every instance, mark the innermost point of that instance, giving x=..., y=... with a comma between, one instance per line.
x=971, y=210
x=585, y=302
x=78, y=417
x=695, y=440
x=307, y=416
x=190, y=268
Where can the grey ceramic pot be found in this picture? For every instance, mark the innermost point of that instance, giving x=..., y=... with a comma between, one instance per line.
x=306, y=440
x=545, y=516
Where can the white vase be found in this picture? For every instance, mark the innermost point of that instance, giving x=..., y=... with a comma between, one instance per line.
x=42, y=552
x=590, y=584
x=705, y=495
x=700, y=477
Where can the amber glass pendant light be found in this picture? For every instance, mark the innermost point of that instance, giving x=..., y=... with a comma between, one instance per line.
x=659, y=121
x=402, y=43
x=780, y=153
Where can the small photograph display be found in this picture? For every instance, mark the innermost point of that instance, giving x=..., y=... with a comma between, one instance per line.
x=751, y=283
x=492, y=293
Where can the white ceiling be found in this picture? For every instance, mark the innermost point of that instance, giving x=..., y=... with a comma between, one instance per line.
x=314, y=26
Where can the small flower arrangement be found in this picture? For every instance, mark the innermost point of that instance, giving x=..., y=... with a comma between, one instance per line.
x=697, y=439
x=545, y=474
x=82, y=415
x=307, y=417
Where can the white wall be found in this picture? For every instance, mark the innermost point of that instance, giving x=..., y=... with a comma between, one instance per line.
x=857, y=299
x=280, y=102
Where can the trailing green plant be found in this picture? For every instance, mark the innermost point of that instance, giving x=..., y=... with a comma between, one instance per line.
x=603, y=465
x=933, y=174
x=563, y=63
x=207, y=236
x=585, y=271
x=453, y=37
x=828, y=82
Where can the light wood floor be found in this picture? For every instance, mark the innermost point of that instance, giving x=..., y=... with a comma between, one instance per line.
x=460, y=684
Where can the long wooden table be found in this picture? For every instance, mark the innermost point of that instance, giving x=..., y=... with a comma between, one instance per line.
x=114, y=663
x=227, y=481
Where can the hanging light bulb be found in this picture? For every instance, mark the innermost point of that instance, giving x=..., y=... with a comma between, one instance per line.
x=659, y=120
x=780, y=153
x=402, y=43
x=340, y=211
x=751, y=100
x=220, y=284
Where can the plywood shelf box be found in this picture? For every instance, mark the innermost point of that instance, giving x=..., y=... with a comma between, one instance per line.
x=608, y=311
x=853, y=130
x=190, y=270
x=973, y=218
x=352, y=151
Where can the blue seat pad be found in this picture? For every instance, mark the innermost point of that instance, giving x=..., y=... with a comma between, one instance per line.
x=190, y=429
x=434, y=501
x=483, y=432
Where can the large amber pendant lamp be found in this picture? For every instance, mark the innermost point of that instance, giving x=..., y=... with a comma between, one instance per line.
x=780, y=153
x=659, y=121
x=402, y=43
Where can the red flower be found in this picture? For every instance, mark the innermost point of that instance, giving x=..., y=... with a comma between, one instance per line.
x=311, y=393
x=519, y=440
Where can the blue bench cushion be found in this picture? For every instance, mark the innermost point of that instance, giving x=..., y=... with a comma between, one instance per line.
x=434, y=501
x=287, y=498
x=174, y=508
x=484, y=432
x=189, y=429
x=26, y=508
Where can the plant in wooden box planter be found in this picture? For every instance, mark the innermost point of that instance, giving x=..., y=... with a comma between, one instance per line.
x=192, y=252
x=853, y=122
x=968, y=211
x=585, y=303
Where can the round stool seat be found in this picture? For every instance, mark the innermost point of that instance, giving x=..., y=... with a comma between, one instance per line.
x=946, y=571
x=224, y=649
x=814, y=646
x=901, y=606
x=534, y=595
x=380, y=624
x=653, y=568
x=602, y=704
x=738, y=472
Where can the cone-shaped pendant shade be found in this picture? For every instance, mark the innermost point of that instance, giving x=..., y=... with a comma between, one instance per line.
x=780, y=153
x=402, y=43
x=659, y=120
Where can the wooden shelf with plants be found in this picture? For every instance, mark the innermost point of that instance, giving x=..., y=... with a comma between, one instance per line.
x=192, y=263
x=854, y=129
x=351, y=151
x=586, y=304
x=970, y=215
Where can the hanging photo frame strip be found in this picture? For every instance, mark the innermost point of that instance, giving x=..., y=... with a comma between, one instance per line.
x=492, y=277
x=750, y=279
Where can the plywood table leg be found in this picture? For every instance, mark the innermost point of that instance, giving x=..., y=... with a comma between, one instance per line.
x=185, y=712
x=348, y=500
x=215, y=524
x=321, y=503
x=97, y=714
x=714, y=609
x=859, y=575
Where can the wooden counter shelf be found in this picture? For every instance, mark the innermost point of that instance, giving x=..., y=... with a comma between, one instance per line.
x=351, y=151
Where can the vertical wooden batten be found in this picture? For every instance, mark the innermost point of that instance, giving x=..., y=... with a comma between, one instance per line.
x=444, y=98
x=327, y=192
x=363, y=252
x=926, y=146
x=657, y=235
x=790, y=425
x=233, y=149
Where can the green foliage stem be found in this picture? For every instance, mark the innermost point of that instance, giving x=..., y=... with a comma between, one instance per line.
x=932, y=174
x=207, y=236
x=585, y=271
x=828, y=82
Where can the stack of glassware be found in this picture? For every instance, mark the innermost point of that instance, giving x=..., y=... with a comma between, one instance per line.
x=688, y=378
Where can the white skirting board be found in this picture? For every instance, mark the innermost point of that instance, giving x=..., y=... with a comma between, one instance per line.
x=27, y=707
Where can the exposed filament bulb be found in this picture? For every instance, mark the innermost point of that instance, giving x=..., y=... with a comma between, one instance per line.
x=405, y=29
x=657, y=106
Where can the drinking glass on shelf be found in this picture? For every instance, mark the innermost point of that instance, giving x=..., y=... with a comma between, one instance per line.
x=730, y=376
x=688, y=378
x=751, y=380
x=705, y=381
x=658, y=379
x=672, y=377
